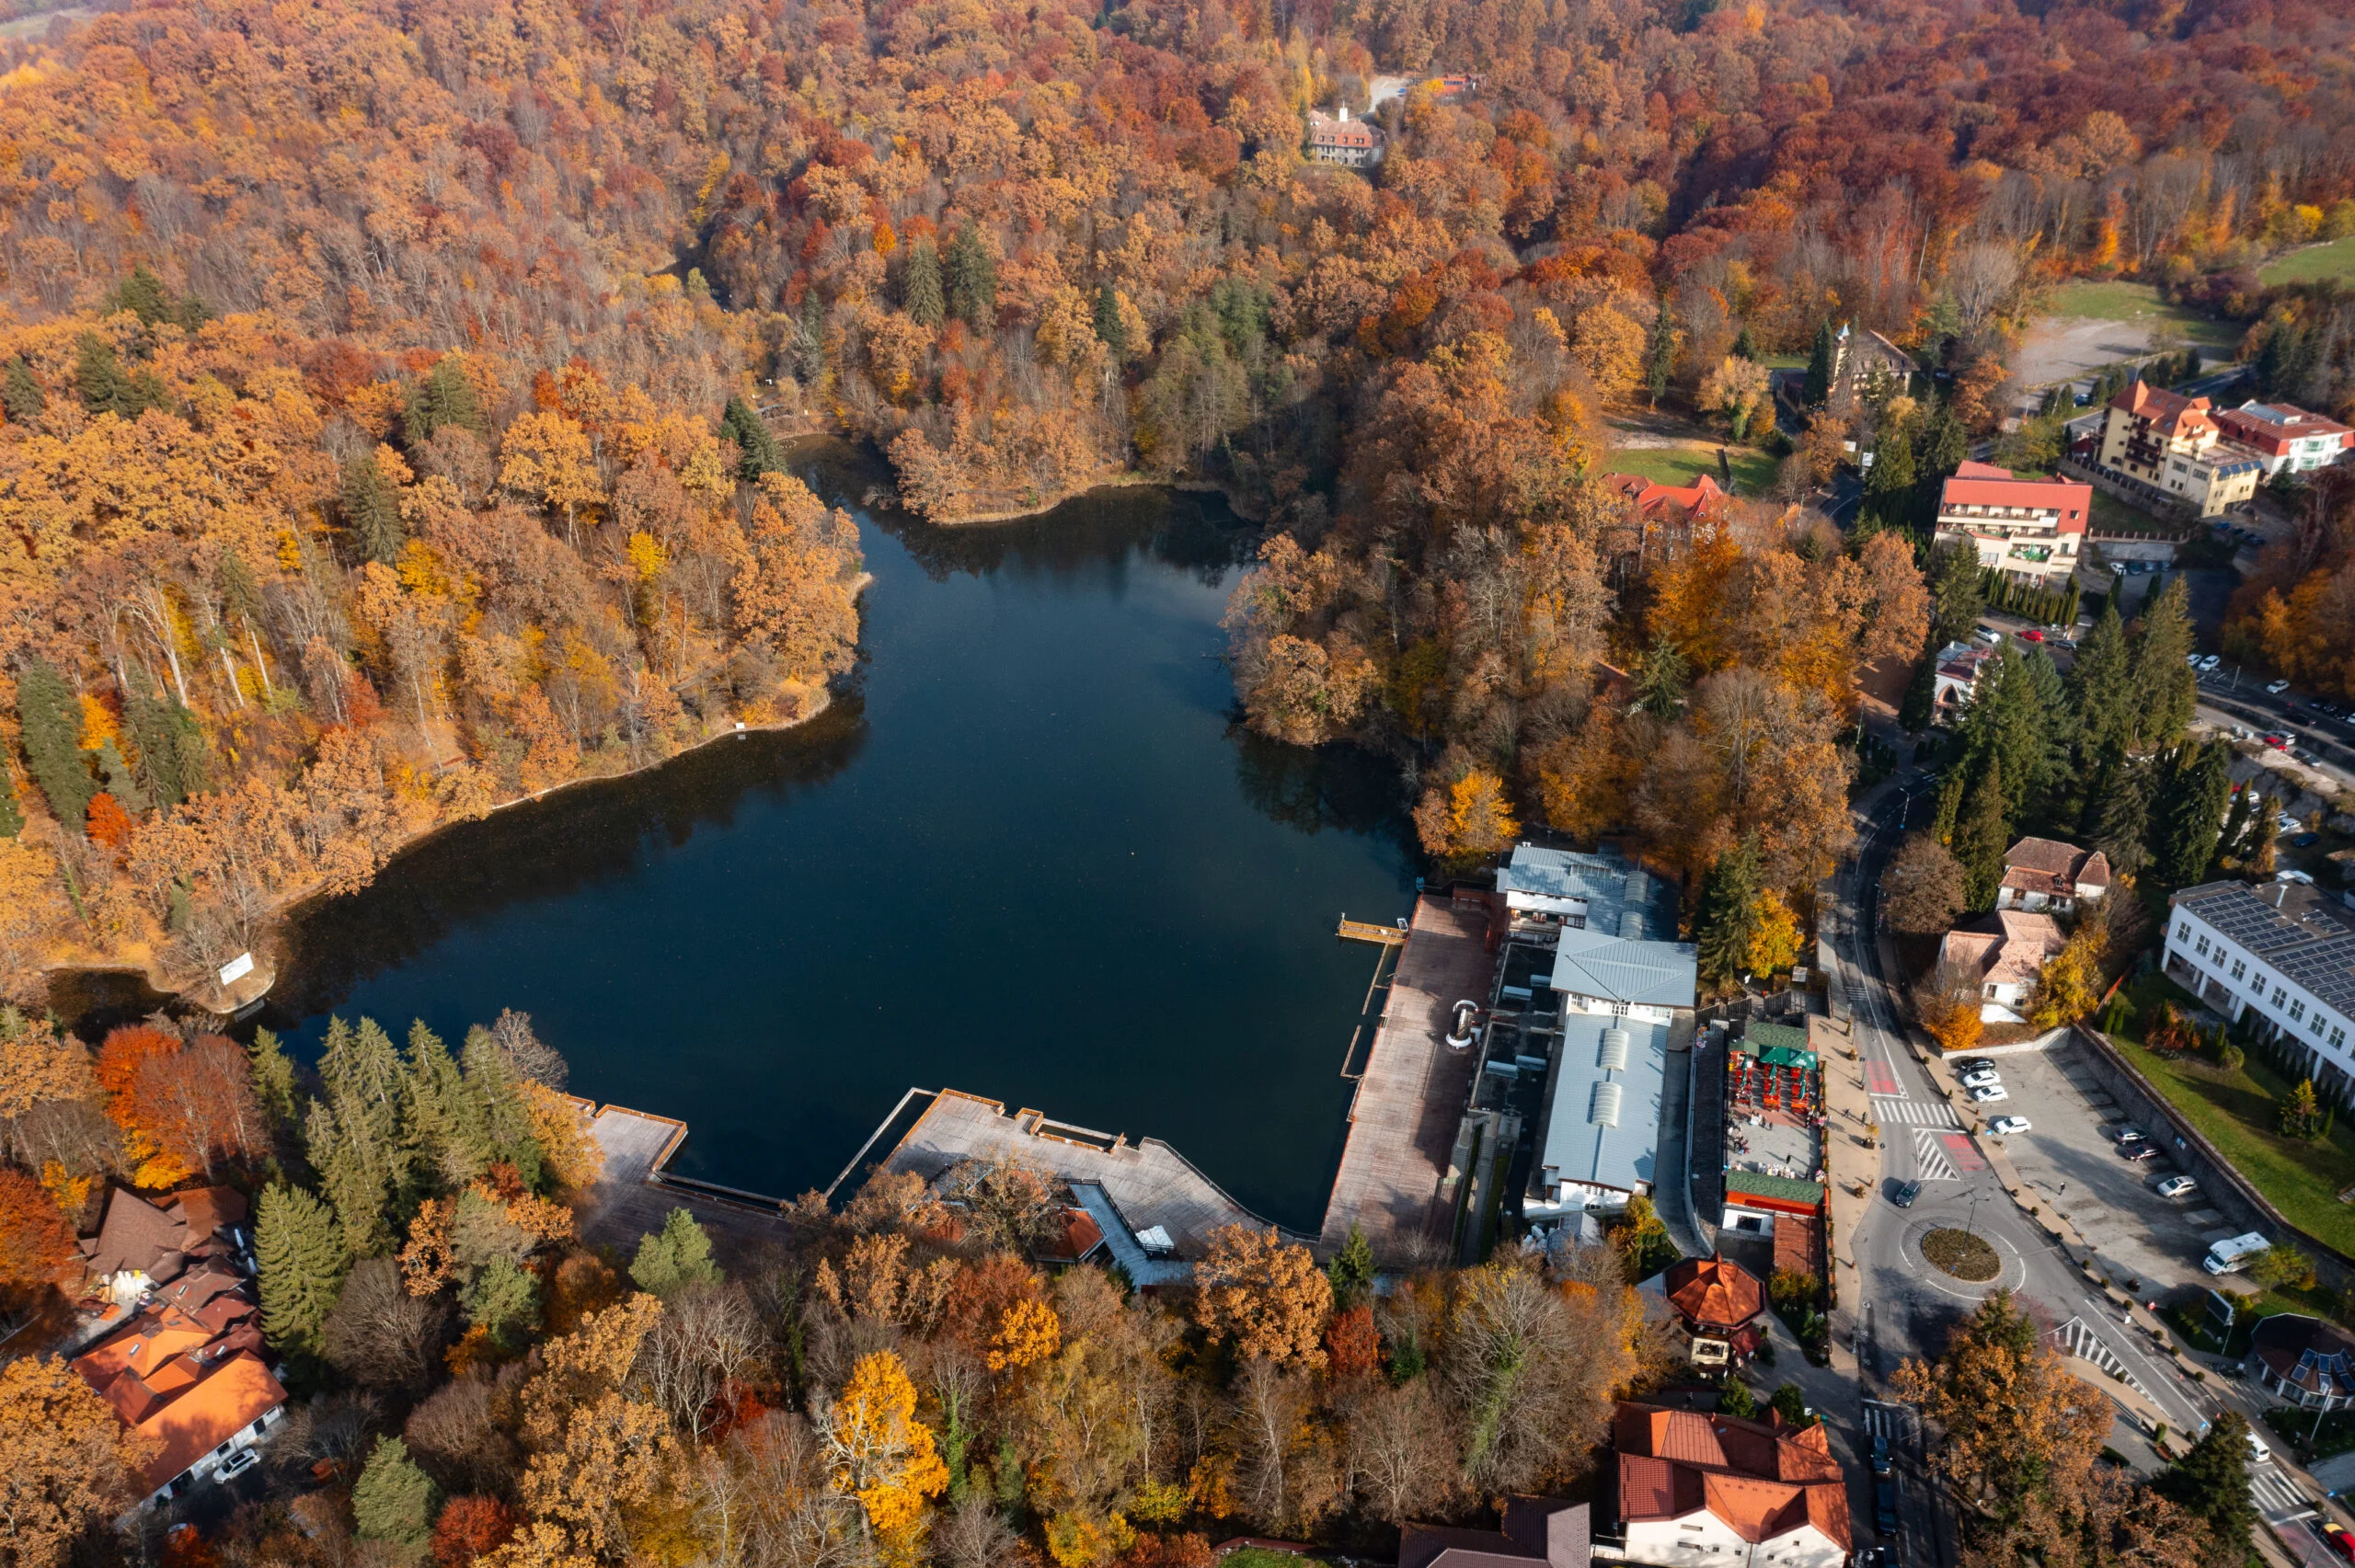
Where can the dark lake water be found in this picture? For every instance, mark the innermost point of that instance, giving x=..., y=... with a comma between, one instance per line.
x=1029, y=854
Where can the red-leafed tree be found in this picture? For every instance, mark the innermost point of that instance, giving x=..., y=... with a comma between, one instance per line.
x=36, y=1242
x=469, y=1528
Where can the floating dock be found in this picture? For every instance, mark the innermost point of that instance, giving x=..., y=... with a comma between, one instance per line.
x=1410, y=1099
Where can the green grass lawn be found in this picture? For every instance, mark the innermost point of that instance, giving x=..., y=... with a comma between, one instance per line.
x=2109, y=512
x=1752, y=470
x=2137, y=303
x=2311, y=264
x=1261, y=1557
x=2235, y=1112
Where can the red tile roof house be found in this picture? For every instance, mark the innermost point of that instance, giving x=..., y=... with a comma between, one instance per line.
x=2007, y=960
x=1537, y=1529
x=143, y=1243
x=2031, y=529
x=2045, y=873
x=193, y=1378
x=1656, y=502
x=1706, y=1488
x=1956, y=678
x=1337, y=139
x=2286, y=439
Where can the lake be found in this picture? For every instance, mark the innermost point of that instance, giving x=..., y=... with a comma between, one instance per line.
x=1029, y=853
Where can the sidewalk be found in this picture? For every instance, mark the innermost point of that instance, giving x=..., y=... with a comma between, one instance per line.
x=1853, y=1167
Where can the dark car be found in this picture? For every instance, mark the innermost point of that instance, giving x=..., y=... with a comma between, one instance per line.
x=1905, y=1193
x=2306, y=841
x=1883, y=1460
x=2141, y=1149
x=1885, y=1507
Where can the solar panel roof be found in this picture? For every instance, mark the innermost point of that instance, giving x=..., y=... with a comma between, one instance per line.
x=2290, y=927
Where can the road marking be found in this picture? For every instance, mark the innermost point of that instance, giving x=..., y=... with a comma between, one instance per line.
x=2277, y=1496
x=1914, y=1113
x=1894, y=1422
x=1930, y=1163
x=2080, y=1339
x=1880, y=1080
x=1965, y=1156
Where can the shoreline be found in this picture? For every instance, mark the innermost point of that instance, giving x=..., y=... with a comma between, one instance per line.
x=1106, y=480
x=268, y=949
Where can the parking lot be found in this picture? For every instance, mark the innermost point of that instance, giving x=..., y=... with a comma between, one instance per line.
x=2069, y=1157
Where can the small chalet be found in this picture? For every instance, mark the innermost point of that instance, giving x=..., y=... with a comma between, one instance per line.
x=1537, y=1529
x=1337, y=139
x=1656, y=502
x=2047, y=875
x=1956, y=678
x=1072, y=1236
x=1865, y=365
x=2007, y=960
x=2306, y=1361
x=1708, y=1488
x=141, y=1244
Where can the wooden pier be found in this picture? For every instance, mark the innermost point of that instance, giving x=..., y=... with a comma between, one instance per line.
x=636, y=1192
x=1150, y=1183
x=1367, y=931
x=1411, y=1098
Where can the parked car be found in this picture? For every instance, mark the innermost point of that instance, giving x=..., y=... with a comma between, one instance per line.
x=2287, y=823
x=235, y=1465
x=1885, y=1507
x=1981, y=1078
x=2305, y=841
x=1971, y=1064
x=1884, y=1462
x=1988, y=1093
x=2140, y=1151
x=2276, y=741
x=2032, y=635
x=2191, y=660
x=2004, y=1127
x=2178, y=1187
x=2275, y=687
x=1905, y=1193
x=1987, y=635
x=2209, y=664
x=2125, y=1132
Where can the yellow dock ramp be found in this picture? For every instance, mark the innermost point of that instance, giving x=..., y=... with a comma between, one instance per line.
x=1367, y=931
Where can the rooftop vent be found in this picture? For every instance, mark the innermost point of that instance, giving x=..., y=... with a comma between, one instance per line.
x=1604, y=1112
x=1631, y=926
x=1613, y=1055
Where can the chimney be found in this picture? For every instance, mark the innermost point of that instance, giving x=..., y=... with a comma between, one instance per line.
x=1345, y=114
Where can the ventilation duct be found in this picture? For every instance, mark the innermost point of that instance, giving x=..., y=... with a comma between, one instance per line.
x=1613, y=1055
x=1631, y=926
x=1605, y=1109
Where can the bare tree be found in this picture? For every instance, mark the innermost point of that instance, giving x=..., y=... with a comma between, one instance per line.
x=381, y=1335
x=455, y=1435
x=1401, y=1450
x=974, y=1535
x=708, y=1341
x=1530, y=1372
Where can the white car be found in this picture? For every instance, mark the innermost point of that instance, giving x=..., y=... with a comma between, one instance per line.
x=2208, y=666
x=2004, y=1127
x=2275, y=687
x=2125, y=1132
x=2289, y=824
x=235, y=1465
x=1989, y=1094
x=2257, y=1452
x=1980, y=1078
x=2178, y=1187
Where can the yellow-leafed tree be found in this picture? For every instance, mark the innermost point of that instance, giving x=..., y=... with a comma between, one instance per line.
x=881, y=1455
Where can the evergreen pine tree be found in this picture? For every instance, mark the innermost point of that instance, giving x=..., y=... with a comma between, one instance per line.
x=1819, y=365
x=12, y=813
x=1889, y=483
x=1660, y=680
x=1736, y=1400
x=1727, y=917
x=49, y=718
x=1944, y=445
x=1112, y=328
x=502, y=1298
x=2117, y=813
x=2190, y=813
x=506, y=1123
x=743, y=425
x=143, y=295
x=172, y=760
x=2228, y=843
x=1981, y=837
x=371, y=510
x=1659, y=352
x=301, y=1254
x=2165, y=690
x=441, y=396
x=920, y=293
x=274, y=1083
x=1745, y=347
x=1918, y=708
x=1956, y=597
x=2019, y=717
x=98, y=375
x=115, y=776
x=2101, y=686
x=2210, y=1480
x=677, y=1256
x=352, y=1174
x=394, y=1501
x=1352, y=1271
x=1949, y=815
x=20, y=394
x=445, y=1131
x=970, y=281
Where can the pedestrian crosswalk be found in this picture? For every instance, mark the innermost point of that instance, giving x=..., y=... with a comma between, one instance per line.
x=2277, y=1497
x=1894, y=1422
x=1913, y=1113
x=2081, y=1340
x=1930, y=1161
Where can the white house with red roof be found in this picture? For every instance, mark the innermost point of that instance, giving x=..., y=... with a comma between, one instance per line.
x=2285, y=439
x=1708, y=1488
x=2024, y=528
x=1337, y=139
x=2044, y=875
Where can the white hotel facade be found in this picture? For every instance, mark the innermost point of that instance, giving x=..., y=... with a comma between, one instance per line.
x=2281, y=950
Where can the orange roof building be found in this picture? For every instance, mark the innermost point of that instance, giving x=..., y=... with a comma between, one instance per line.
x=1694, y=1487
x=2007, y=960
x=2045, y=873
x=2170, y=447
x=1655, y=502
x=1713, y=1296
x=2031, y=529
x=190, y=1378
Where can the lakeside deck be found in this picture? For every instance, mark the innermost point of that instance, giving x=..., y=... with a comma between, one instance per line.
x=1411, y=1097
x=1147, y=1181
x=636, y=1194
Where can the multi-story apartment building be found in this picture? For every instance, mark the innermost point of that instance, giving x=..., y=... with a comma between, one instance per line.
x=2171, y=445
x=2281, y=950
x=2284, y=439
x=2031, y=528
x=1337, y=139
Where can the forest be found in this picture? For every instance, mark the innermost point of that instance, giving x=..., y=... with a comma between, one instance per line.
x=393, y=394
x=480, y=1371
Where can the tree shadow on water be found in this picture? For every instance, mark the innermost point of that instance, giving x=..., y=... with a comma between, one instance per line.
x=1339, y=787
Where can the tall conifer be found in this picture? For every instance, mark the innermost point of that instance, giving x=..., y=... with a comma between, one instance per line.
x=1981, y=837
x=303, y=1260
x=920, y=293
x=50, y=720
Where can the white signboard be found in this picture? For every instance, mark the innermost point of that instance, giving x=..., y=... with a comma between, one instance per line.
x=237, y=968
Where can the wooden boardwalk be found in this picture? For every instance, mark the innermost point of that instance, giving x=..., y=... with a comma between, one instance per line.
x=1150, y=1183
x=1412, y=1097
x=630, y=1199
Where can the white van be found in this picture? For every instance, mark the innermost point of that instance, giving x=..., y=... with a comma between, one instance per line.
x=2232, y=1255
